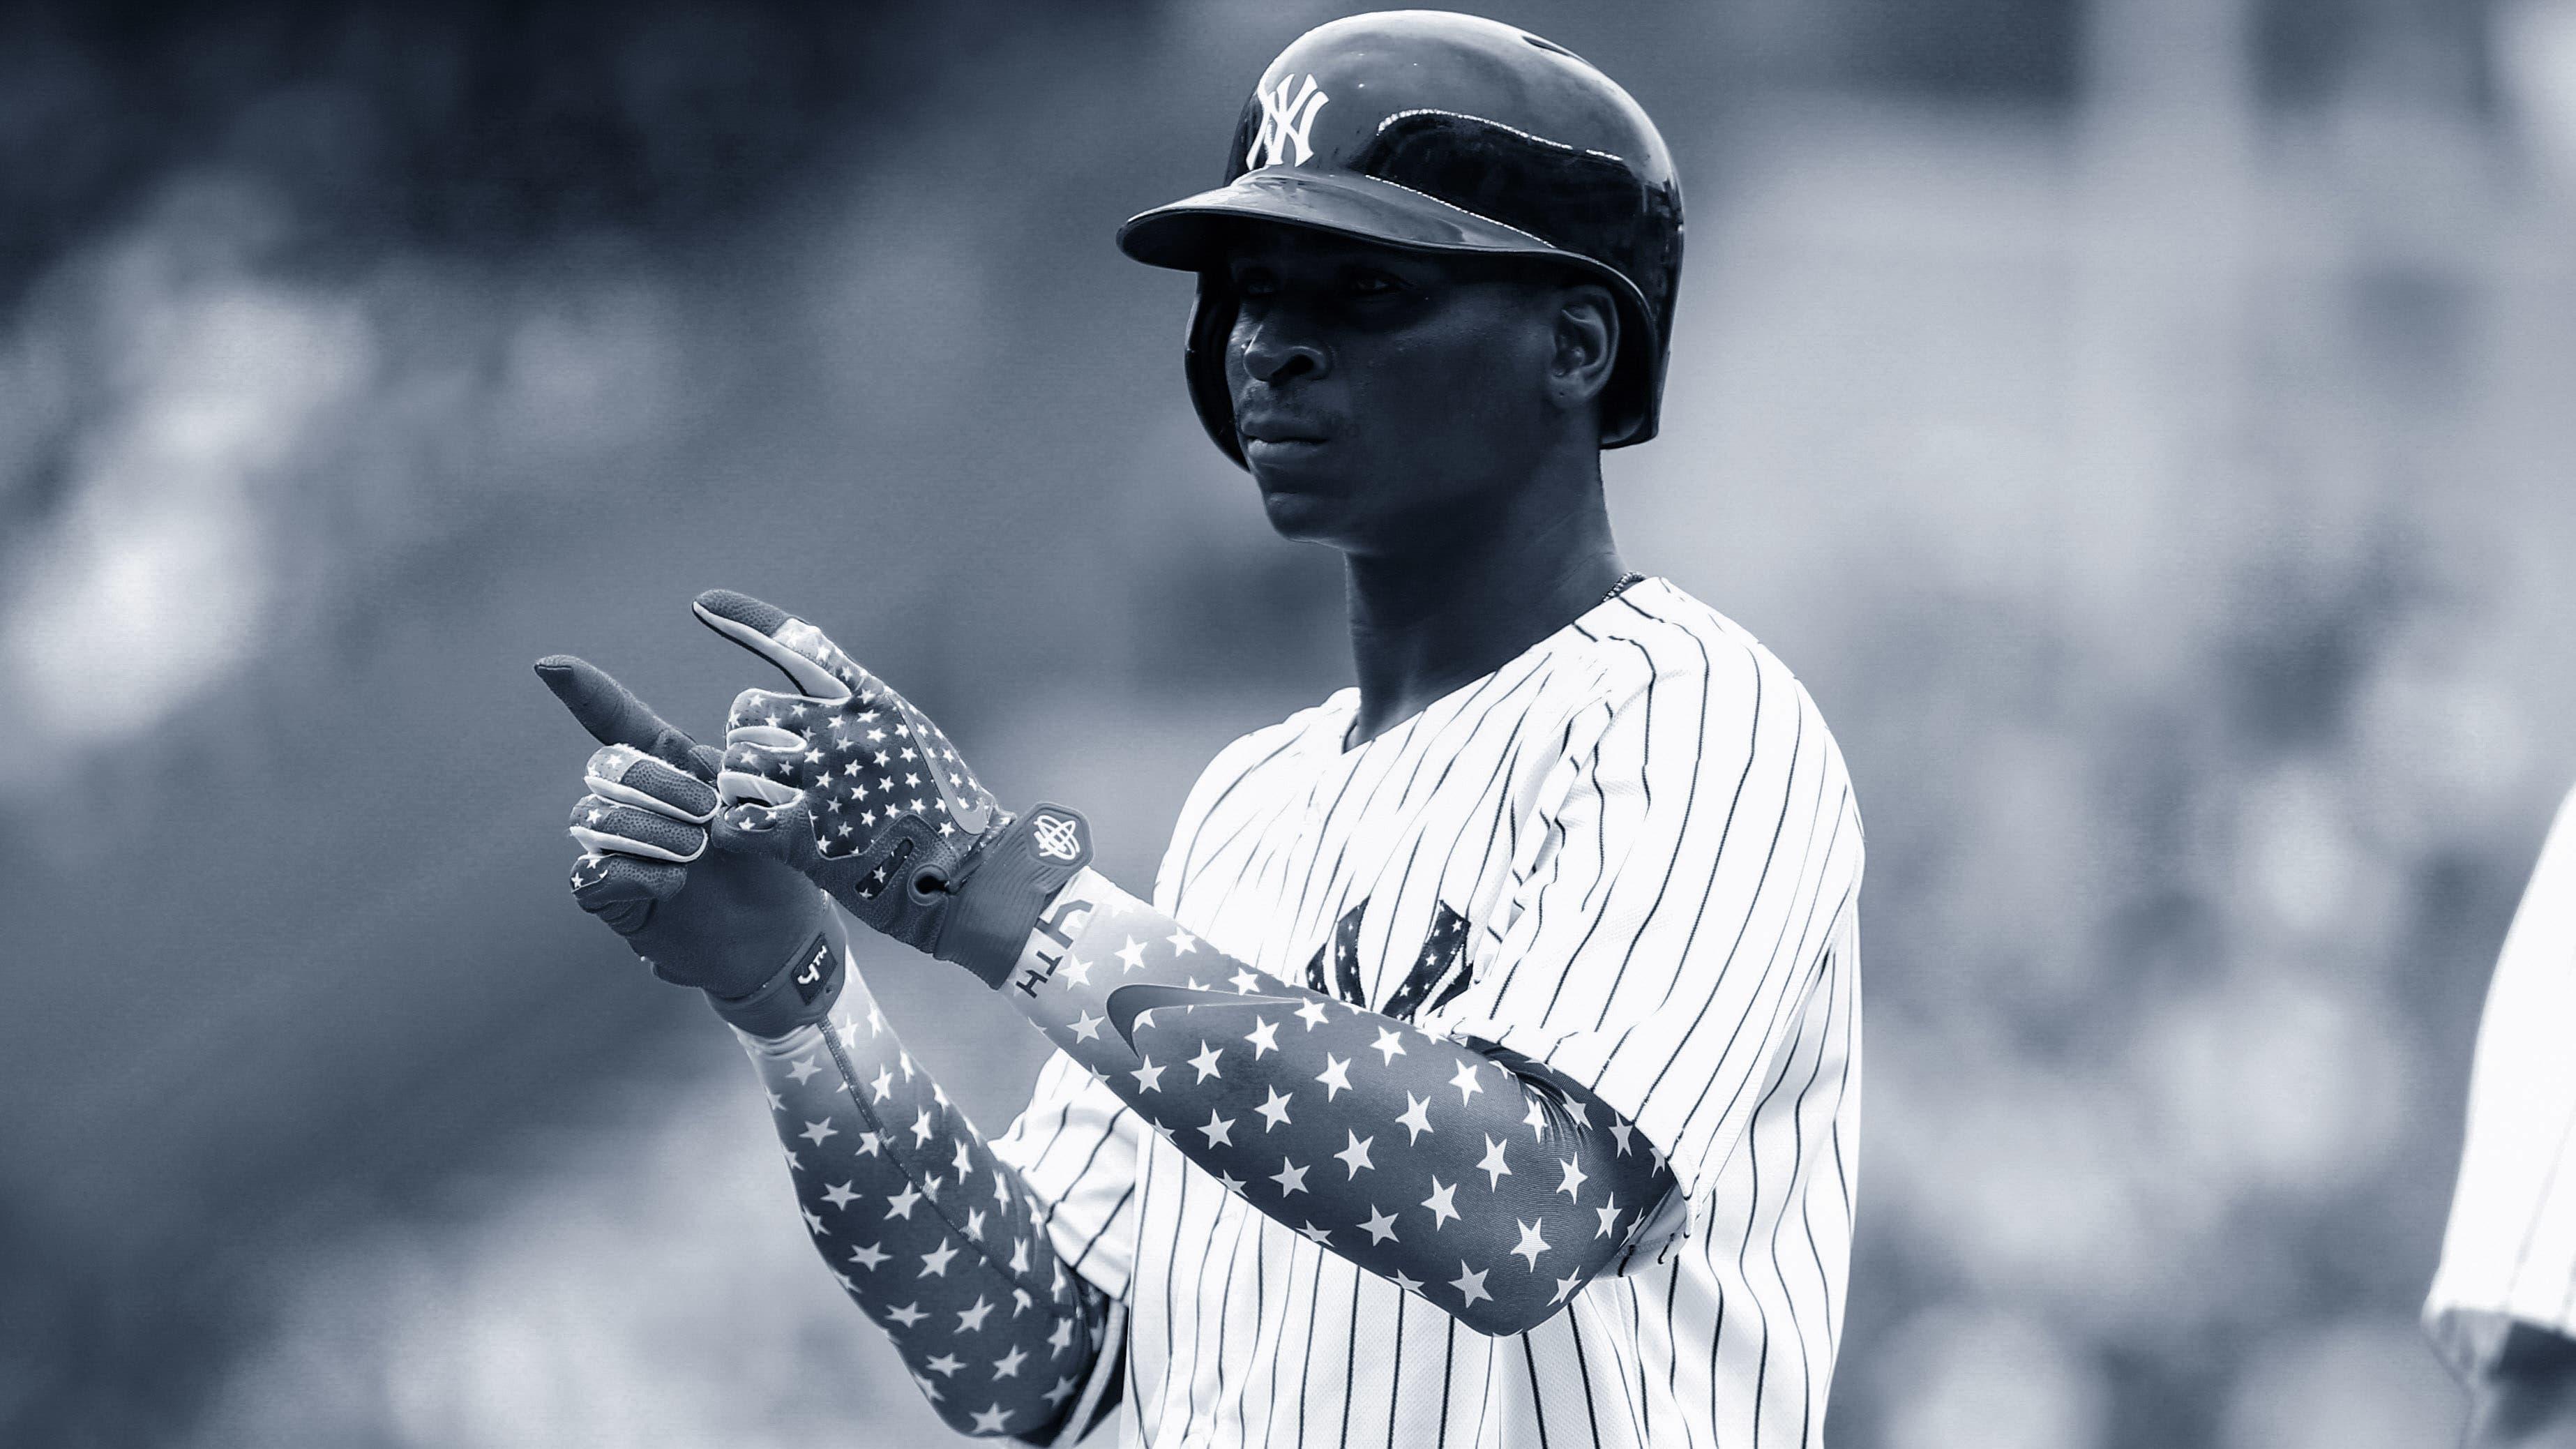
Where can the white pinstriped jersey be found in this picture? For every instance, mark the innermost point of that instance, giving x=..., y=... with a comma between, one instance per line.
x=1633, y=853
x=2510, y=1250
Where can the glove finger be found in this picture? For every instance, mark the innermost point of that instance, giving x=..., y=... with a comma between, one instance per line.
x=736, y=787
x=767, y=709
x=781, y=832
x=618, y=773
x=763, y=750
x=754, y=770
x=622, y=891
x=809, y=659
x=604, y=879
x=604, y=825
x=614, y=716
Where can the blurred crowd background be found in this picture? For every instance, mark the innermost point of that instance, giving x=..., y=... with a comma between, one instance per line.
x=2146, y=425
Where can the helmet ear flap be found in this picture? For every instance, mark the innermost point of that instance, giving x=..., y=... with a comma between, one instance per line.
x=1203, y=359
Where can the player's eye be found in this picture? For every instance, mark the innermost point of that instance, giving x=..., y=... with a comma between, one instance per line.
x=1374, y=284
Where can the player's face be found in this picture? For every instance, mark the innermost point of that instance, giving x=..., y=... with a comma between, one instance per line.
x=1382, y=395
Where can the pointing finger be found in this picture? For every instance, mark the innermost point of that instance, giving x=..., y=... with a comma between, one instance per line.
x=614, y=716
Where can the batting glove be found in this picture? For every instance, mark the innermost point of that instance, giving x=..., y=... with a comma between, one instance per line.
x=846, y=780
x=664, y=873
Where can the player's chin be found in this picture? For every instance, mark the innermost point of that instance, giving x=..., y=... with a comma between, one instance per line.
x=1304, y=512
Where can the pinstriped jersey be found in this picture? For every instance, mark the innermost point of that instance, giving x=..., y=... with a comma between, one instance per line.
x=1632, y=853
x=2510, y=1250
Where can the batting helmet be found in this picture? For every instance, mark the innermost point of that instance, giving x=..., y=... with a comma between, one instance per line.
x=1441, y=133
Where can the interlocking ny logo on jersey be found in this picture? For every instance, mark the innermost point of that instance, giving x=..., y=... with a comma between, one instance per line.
x=1438, y=971
x=1285, y=123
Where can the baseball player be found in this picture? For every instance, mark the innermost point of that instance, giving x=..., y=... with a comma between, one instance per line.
x=1483, y=1069
x=2503, y=1305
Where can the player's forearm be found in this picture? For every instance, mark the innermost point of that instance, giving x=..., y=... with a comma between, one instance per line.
x=1494, y=1190
x=931, y=1235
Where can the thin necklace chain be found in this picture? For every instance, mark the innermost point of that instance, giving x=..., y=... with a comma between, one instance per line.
x=1621, y=587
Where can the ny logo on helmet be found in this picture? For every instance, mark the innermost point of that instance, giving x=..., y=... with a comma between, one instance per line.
x=1285, y=123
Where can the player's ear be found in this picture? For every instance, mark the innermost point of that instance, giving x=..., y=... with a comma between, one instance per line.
x=1584, y=344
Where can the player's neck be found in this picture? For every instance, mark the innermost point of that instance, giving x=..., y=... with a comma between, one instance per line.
x=1430, y=619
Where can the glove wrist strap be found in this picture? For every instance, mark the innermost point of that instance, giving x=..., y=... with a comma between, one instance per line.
x=799, y=993
x=1016, y=873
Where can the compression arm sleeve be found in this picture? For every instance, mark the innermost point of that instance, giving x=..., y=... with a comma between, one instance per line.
x=934, y=1238
x=1476, y=1178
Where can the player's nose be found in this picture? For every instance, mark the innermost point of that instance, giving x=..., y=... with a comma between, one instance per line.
x=1274, y=352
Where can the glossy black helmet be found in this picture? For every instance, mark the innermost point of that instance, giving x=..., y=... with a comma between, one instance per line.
x=1445, y=133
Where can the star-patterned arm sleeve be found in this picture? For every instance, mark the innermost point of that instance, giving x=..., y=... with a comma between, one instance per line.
x=1477, y=1178
x=937, y=1241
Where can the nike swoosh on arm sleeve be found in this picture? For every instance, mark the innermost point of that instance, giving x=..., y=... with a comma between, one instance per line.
x=1478, y=1179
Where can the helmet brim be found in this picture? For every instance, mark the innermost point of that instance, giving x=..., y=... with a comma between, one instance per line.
x=1191, y=234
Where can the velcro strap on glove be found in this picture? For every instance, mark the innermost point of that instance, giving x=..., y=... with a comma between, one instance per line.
x=1016, y=872
x=797, y=994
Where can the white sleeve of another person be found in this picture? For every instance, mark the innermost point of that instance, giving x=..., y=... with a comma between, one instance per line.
x=2510, y=1251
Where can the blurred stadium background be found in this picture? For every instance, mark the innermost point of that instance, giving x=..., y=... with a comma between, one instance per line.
x=2146, y=425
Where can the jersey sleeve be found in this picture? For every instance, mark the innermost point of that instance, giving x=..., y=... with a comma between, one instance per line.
x=1696, y=864
x=2509, y=1253
x=1077, y=1149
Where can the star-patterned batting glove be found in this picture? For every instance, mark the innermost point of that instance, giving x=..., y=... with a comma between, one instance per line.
x=661, y=869
x=847, y=781
x=932, y=1235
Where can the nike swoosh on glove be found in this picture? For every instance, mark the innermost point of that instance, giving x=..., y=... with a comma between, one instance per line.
x=663, y=871
x=850, y=783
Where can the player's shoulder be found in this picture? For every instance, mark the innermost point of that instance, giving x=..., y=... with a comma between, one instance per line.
x=1275, y=741
x=1657, y=643
x=1684, y=683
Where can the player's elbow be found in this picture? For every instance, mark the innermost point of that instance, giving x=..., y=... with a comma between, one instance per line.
x=1008, y=1420
x=1512, y=1314
x=1500, y=1303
